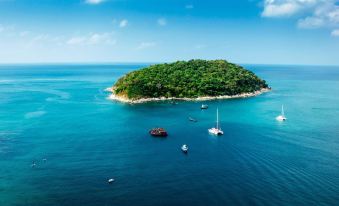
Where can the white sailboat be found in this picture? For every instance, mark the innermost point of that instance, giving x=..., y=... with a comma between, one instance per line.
x=216, y=130
x=282, y=116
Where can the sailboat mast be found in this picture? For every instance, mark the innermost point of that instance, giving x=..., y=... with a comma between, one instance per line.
x=282, y=110
x=217, y=119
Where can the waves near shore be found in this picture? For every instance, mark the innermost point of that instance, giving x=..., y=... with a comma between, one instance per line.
x=115, y=97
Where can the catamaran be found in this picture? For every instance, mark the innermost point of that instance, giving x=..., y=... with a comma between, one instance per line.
x=282, y=116
x=216, y=130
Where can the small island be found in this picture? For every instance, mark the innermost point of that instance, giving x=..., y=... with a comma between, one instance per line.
x=188, y=80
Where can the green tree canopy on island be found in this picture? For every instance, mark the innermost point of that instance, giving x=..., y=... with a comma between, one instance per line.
x=194, y=78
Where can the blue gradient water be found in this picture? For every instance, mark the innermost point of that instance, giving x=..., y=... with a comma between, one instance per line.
x=60, y=112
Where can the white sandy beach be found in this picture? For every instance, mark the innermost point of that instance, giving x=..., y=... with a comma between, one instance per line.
x=206, y=98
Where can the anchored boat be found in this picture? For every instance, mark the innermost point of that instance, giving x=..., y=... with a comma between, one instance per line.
x=282, y=116
x=216, y=130
x=192, y=119
x=158, y=132
x=204, y=106
x=184, y=148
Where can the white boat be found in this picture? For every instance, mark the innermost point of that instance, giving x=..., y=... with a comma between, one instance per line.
x=110, y=181
x=184, y=148
x=282, y=116
x=204, y=106
x=216, y=130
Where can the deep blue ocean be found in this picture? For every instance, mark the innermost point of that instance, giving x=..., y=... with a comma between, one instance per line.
x=61, y=113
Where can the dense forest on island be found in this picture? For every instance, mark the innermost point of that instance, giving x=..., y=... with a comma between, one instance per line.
x=191, y=79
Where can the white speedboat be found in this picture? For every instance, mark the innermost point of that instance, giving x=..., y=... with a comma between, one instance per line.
x=184, y=148
x=216, y=130
x=282, y=116
x=110, y=181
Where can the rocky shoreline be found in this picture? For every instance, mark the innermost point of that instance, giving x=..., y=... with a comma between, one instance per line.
x=145, y=100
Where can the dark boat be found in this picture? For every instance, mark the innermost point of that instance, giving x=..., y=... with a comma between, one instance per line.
x=192, y=119
x=158, y=132
x=204, y=106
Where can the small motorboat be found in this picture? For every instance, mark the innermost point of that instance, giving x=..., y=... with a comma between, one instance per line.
x=158, y=132
x=192, y=119
x=110, y=181
x=204, y=106
x=184, y=148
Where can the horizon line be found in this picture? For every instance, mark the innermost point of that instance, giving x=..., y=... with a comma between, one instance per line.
x=151, y=62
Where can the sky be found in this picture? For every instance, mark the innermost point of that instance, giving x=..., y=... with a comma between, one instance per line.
x=104, y=31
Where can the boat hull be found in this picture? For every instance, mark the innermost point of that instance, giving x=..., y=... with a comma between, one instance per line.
x=215, y=131
x=280, y=118
x=158, y=132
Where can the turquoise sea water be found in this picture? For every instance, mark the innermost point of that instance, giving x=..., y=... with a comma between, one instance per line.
x=61, y=113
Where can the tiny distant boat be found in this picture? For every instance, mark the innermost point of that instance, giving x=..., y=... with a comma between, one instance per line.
x=282, y=116
x=192, y=119
x=158, y=132
x=110, y=181
x=204, y=106
x=216, y=130
x=184, y=148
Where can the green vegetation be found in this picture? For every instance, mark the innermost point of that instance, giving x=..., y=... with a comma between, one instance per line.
x=194, y=78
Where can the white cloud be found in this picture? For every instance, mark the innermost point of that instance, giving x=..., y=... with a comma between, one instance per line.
x=162, y=21
x=123, y=23
x=94, y=1
x=76, y=40
x=200, y=46
x=189, y=6
x=335, y=33
x=310, y=22
x=42, y=39
x=145, y=45
x=24, y=33
x=92, y=39
x=12, y=31
x=281, y=8
x=314, y=13
x=324, y=15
